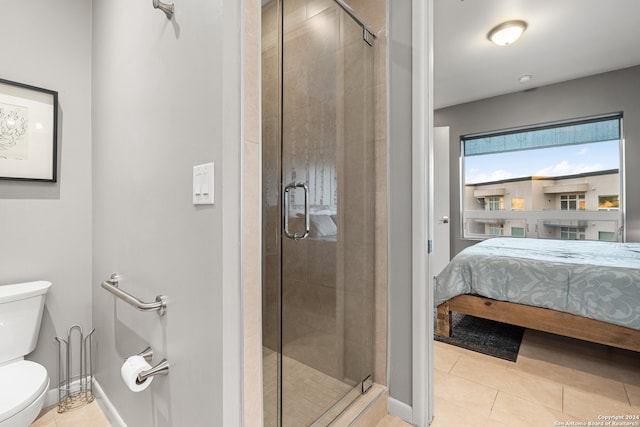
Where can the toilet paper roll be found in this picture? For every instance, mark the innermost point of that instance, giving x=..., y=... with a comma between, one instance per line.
x=130, y=370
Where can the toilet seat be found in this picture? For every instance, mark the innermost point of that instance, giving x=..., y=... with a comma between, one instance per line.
x=21, y=383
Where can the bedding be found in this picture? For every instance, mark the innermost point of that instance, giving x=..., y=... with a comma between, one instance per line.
x=597, y=280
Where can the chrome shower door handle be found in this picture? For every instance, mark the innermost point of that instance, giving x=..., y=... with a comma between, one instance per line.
x=285, y=203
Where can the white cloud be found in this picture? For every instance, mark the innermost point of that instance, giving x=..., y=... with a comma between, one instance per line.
x=583, y=151
x=498, y=175
x=567, y=168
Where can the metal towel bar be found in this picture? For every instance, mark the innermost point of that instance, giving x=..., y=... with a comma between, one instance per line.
x=112, y=286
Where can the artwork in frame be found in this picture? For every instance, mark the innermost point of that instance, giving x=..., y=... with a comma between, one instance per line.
x=28, y=132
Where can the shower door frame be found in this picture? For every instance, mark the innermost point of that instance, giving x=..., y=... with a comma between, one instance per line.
x=285, y=188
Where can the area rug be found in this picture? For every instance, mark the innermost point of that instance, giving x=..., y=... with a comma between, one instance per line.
x=485, y=336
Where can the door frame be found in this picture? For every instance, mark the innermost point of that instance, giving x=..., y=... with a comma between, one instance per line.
x=422, y=211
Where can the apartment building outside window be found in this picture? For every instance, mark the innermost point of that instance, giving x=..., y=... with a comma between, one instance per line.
x=572, y=202
x=559, y=180
x=572, y=233
x=607, y=236
x=517, y=204
x=609, y=202
x=495, y=203
x=517, y=231
x=496, y=230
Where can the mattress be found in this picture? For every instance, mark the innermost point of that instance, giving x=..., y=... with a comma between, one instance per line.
x=598, y=280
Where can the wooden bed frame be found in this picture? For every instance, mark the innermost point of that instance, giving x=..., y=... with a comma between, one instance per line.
x=541, y=319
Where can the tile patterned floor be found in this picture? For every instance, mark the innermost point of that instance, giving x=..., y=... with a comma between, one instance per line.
x=555, y=381
x=88, y=415
x=389, y=421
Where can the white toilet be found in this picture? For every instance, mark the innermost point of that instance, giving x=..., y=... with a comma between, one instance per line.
x=23, y=384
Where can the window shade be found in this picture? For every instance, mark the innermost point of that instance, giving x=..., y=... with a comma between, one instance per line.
x=551, y=136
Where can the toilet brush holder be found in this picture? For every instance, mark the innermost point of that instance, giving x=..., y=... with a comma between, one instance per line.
x=75, y=369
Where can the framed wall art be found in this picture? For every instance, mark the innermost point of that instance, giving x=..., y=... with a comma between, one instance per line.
x=28, y=132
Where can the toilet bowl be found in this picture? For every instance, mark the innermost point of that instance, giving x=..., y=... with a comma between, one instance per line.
x=23, y=387
x=23, y=383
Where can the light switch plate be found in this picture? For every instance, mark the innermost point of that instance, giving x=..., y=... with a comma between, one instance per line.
x=203, y=184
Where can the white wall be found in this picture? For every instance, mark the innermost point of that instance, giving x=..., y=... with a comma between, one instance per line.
x=165, y=98
x=45, y=228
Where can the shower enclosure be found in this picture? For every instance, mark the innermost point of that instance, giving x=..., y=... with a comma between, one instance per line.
x=318, y=210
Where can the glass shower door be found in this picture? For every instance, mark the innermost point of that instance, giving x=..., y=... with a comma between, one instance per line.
x=318, y=212
x=328, y=206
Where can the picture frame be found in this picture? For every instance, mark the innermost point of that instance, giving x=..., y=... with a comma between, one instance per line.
x=28, y=132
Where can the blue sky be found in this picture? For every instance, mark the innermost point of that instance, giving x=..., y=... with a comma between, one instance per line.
x=556, y=161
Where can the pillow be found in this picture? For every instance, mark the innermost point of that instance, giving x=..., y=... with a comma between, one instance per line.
x=321, y=225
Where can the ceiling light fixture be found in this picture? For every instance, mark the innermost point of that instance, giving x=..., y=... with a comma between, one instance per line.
x=525, y=79
x=506, y=33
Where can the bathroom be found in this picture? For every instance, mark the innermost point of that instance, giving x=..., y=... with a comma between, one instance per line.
x=142, y=99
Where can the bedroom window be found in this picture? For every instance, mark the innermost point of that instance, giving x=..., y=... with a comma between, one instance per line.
x=568, y=172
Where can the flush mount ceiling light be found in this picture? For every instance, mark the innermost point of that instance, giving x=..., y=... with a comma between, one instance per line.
x=506, y=33
x=525, y=79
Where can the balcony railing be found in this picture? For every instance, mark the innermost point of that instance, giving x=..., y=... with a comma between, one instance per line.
x=545, y=224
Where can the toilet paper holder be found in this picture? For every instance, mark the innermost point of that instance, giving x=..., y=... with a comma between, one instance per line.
x=161, y=368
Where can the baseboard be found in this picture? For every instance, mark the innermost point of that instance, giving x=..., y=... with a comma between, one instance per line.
x=400, y=410
x=101, y=398
x=51, y=398
x=107, y=407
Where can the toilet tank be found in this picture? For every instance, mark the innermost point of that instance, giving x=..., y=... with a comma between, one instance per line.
x=21, y=307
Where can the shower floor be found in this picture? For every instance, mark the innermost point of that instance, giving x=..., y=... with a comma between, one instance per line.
x=306, y=391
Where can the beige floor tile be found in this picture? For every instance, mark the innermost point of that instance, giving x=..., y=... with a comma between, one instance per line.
x=633, y=392
x=512, y=381
x=600, y=385
x=473, y=354
x=587, y=405
x=445, y=357
x=47, y=417
x=516, y=412
x=389, y=421
x=620, y=365
x=449, y=414
x=476, y=398
x=87, y=415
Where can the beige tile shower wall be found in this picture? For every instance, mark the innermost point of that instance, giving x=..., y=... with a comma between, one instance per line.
x=374, y=13
x=251, y=220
